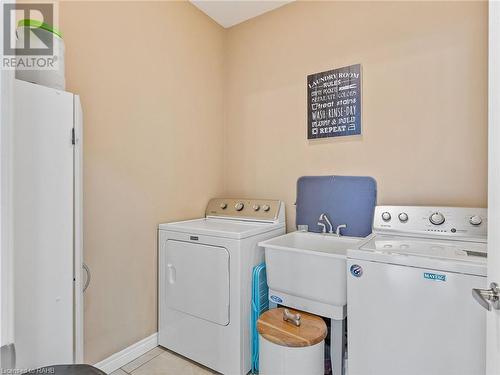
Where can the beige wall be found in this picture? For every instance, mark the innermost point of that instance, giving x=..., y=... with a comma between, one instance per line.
x=150, y=79
x=178, y=110
x=424, y=100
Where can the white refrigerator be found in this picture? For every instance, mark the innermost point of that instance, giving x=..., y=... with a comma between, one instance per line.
x=47, y=226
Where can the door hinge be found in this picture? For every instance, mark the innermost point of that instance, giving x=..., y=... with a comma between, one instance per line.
x=73, y=138
x=488, y=298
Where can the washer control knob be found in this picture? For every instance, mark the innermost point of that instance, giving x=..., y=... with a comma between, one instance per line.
x=437, y=218
x=476, y=220
x=386, y=216
x=256, y=207
x=403, y=217
x=266, y=207
x=239, y=206
x=223, y=205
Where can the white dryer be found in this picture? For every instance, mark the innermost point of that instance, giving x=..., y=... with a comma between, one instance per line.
x=205, y=274
x=410, y=304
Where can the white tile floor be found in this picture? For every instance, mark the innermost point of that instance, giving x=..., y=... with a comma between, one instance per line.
x=162, y=362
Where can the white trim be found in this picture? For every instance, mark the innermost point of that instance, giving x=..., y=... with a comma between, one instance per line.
x=6, y=253
x=1, y=180
x=134, y=351
x=78, y=229
x=7, y=261
x=493, y=317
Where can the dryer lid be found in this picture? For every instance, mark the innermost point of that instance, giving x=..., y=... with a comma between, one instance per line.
x=221, y=227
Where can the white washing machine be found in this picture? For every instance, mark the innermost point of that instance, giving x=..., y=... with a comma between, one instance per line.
x=409, y=293
x=205, y=274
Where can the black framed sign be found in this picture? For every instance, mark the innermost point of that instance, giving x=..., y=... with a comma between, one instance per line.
x=334, y=103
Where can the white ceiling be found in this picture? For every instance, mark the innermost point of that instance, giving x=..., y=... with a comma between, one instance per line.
x=228, y=13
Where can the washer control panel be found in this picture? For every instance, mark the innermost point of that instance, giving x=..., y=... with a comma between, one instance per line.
x=251, y=209
x=448, y=222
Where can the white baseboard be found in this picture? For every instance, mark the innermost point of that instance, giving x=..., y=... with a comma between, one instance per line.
x=134, y=351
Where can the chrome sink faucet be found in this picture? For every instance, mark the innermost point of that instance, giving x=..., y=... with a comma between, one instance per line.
x=324, y=221
x=339, y=227
x=324, y=217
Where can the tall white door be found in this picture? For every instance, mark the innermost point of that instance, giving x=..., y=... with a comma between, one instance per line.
x=43, y=222
x=6, y=290
x=493, y=316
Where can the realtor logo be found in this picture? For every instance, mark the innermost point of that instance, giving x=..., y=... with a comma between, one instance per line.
x=28, y=36
x=44, y=14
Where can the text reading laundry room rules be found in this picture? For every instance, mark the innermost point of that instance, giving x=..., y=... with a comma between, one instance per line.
x=334, y=103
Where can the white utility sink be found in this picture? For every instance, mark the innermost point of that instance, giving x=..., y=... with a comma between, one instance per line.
x=307, y=271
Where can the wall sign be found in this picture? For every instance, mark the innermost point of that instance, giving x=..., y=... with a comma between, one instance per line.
x=334, y=103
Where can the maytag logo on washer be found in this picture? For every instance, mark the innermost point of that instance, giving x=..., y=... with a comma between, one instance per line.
x=434, y=276
x=356, y=270
x=276, y=299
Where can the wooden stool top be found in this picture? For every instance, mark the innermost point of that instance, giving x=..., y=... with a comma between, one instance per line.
x=273, y=328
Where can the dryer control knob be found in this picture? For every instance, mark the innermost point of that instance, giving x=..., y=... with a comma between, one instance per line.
x=239, y=206
x=223, y=206
x=437, y=218
x=403, y=217
x=476, y=220
x=266, y=207
x=256, y=207
x=386, y=216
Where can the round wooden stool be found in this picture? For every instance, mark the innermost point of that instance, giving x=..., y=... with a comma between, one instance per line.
x=291, y=342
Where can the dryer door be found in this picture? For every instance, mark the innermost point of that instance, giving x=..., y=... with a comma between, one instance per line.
x=197, y=280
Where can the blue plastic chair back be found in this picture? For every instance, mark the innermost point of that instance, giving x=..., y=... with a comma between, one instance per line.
x=260, y=303
x=347, y=200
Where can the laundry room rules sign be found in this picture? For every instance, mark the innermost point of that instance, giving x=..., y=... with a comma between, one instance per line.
x=334, y=103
